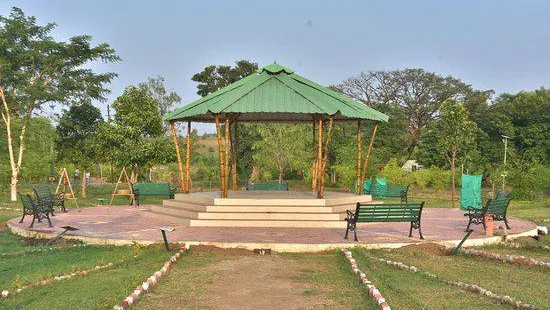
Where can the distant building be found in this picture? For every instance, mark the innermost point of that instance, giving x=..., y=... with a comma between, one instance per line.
x=411, y=165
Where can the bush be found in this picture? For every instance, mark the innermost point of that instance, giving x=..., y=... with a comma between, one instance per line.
x=395, y=174
x=432, y=177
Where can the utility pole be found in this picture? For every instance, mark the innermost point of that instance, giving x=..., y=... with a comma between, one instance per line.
x=504, y=173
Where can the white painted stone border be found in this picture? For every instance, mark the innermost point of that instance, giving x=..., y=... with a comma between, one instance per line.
x=6, y=293
x=373, y=291
x=514, y=245
x=464, y=286
x=512, y=259
x=152, y=280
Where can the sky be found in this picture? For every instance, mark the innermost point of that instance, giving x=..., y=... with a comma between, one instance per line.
x=498, y=45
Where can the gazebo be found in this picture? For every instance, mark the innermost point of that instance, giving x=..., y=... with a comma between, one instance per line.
x=274, y=93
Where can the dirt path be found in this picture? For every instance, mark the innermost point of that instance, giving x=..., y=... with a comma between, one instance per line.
x=251, y=281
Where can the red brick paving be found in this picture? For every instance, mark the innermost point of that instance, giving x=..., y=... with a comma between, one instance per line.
x=128, y=223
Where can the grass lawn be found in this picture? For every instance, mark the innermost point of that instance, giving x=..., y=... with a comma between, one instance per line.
x=521, y=282
x=208, y=278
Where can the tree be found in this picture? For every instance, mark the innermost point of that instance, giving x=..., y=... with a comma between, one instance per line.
x=215, y=77
x=76, y=137
x=282, y=146
x=416, y=92
x=35, y=69
x=164, y=98
x=136, y=137
x=453, y=131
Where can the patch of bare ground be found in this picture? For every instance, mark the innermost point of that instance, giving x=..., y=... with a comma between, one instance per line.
x=215, y=278
x=430, y=248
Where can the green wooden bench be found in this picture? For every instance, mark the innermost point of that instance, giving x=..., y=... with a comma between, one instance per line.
x=34, y=208
x=496, y=208
x=267, y=186
x=148, y=189
x=45, y=197
x=399, y=212
x=390, y=191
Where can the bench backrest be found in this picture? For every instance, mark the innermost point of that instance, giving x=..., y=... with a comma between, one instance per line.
x=390, y=190
x=267, y=186
x=43, y=193
x=26, y=201
x=152, y=189
x=498, y=206
x=406, y=212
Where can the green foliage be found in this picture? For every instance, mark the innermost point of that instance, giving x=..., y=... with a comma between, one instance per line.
x=432, y=177
x=395, y=174
x=137, y=137
x=215, y=77
x=40, y=151
x=281, y=146
x=76, y=132
x=164, y=98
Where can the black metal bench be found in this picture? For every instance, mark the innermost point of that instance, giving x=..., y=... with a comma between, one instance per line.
x=390, y=191
x=150, y=189
x=399, y=212
x=267, y=186
x=496, y=208
x=34, y=208
x=45, y=197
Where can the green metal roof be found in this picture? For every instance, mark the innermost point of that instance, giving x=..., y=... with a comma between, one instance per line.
x=275, y=94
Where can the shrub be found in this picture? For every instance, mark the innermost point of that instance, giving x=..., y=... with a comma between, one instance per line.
x=432, y=177
x=395, y=174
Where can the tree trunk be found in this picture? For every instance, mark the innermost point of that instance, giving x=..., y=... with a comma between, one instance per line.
x=280, y=176
x=83, y=183
x=453, y=179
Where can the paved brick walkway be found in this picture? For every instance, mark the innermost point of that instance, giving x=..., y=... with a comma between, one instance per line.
x=126, y=223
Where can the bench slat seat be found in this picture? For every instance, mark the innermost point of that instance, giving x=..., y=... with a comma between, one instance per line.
x=151, y=189
x=267, y=186
x=496, y=207
x=369, y=213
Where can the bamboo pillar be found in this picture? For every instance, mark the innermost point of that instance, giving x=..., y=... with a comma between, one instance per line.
x=365, y=166
x=220, y=152
x=180, y=165
x=313, y=158
x=227, y=147
x=188, y=160
x=319, y=154
x=359, y=156
x=325, y=158
x=234, y=156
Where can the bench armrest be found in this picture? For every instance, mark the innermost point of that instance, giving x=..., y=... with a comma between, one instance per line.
x=473, y=212
x=350, y=215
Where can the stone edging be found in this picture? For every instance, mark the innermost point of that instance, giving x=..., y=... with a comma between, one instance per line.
x=373, y=291
x=514, y=245
x=512, y=259
x=6, y=293
x=464, y=286
x=152, y=280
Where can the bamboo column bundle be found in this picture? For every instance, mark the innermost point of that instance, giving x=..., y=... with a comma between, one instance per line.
x=220, y=152
x=319, y=154
x=314, y=164
x=188, y=160
x=365, y=166
x=234, y=151
x=325, y=158
x=180, y=164
x=359, y=184
x=227, y=147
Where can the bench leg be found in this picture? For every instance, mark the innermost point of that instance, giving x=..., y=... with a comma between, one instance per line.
x=345, y=237
x=23, y=217
x=49, y=221
x=33, y=218
x=63, y=207
x=355, y=234
x=506, y=222
x=469, y=223
x=420, y=231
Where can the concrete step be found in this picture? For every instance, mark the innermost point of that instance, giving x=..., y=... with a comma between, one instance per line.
x=192, y=199
x=183, y=205
x=270, y=216
x=246, y=208
x=352, y=200
x=268, y=223
x=351, y=207
x=166, y=217
x=304, y=202
x=175, y=212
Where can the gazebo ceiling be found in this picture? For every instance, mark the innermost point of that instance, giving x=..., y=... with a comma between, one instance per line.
x=275, y=94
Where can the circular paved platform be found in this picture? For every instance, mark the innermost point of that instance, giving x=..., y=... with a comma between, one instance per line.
x=126, y=224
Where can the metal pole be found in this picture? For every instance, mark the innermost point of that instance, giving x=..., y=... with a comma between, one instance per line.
x=504, y=173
